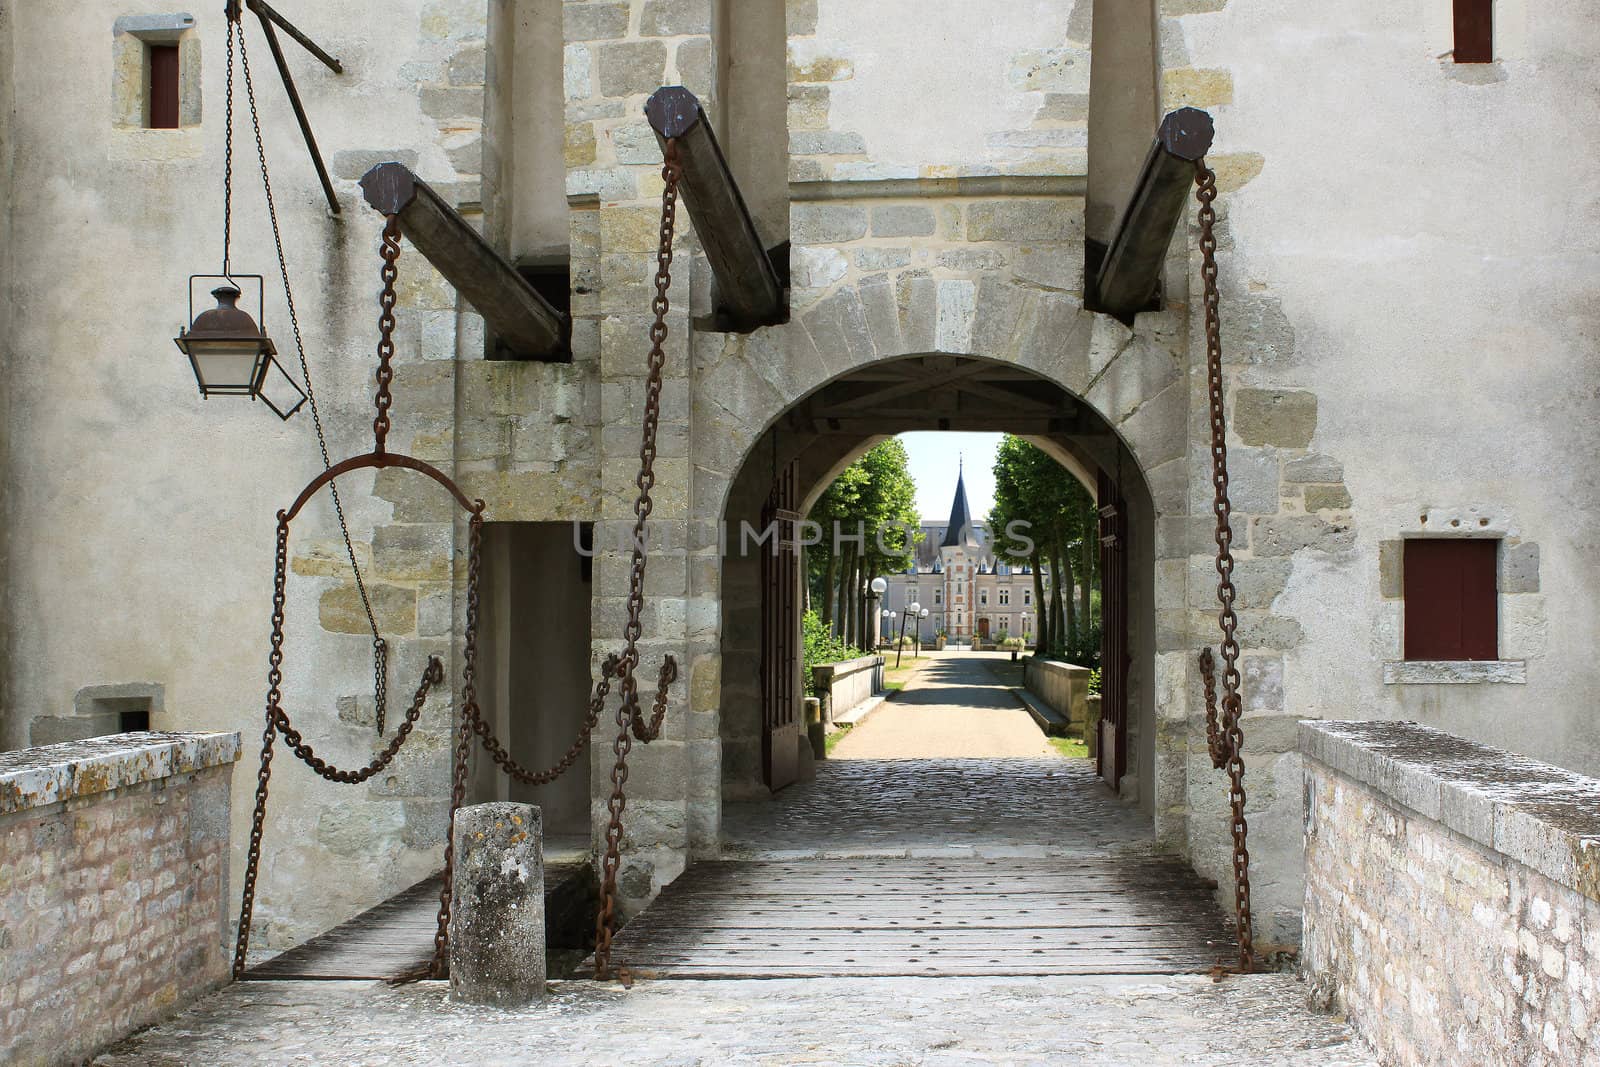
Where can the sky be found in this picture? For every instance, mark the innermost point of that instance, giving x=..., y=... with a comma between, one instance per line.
x=934, y=458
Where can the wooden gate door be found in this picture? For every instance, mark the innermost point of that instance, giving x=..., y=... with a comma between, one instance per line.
x=1113, y=758
x=781, y=725
x=983, y=629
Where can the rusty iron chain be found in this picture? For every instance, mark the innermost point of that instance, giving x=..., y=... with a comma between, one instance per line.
x=386, y=301
x=380, y=647
x=630, y=722
x=1224, y=737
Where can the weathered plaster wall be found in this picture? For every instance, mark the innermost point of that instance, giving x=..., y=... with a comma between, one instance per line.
x=1409, y=291
x=937, y=88
x=149, y=512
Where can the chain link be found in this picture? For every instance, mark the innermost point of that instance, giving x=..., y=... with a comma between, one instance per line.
x=390, y=252
x=1224, y=737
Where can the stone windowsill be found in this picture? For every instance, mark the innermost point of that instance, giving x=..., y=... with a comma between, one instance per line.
x=1454, y=672
x=35, y=777
x=1541, y=816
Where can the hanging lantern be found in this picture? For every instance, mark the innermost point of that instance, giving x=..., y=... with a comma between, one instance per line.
x=232, y=356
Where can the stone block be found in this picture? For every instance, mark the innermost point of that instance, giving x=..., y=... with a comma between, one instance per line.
x=1327, y=498
x=1262, y=683
x=1052, y=268
x=1284, y=535
x=412, y=552
x=1063, y=107
x=352, y=163
x=594, y=21
x=809, y=63
x=1519, y=568
x=1024, y=221
x=467, y=66
x=1391, y=556
x=1313, y=468
x=973, y=260
x=578, y=145
x=1194, y=87
x=808, y=107
x=1256, y=581
x=395, y=607
x=902, y=220
x=694, y=66
x=626, y=68
x=824, y=223
x=675, y=18
x=800, y=17
x=497, y=931
x=826, y=143
x=1283, y=418
x=448, y=103
x=1053, y=70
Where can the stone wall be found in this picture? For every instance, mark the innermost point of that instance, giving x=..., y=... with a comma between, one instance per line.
x=1064, y=686
x=1452, y=902
x=845, y=684
x=113, y=887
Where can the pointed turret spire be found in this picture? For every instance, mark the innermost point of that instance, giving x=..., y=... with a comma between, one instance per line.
x=958, y=532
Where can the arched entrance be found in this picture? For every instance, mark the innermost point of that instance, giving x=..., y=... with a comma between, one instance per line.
x=792, y=462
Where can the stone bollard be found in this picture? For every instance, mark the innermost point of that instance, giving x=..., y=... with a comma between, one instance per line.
x=497, y=906
x=816, y=729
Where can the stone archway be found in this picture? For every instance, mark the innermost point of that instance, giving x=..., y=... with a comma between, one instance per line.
x=832, y=424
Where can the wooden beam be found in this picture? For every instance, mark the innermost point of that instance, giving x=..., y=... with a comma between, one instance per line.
x=1132, y=266
x=748, y=293
x=521, y=319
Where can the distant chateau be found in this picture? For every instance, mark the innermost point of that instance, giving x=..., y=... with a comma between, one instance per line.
x=966, y=591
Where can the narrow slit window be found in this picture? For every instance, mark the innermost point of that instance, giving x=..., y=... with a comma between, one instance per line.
x=1474, y=31
x=1451, y=605
x=163, y=103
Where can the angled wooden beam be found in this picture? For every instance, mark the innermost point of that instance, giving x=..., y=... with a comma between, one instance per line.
x=1132, y=266
x=748, y=293
x=521, y=319
x=267, y=17
x=266, y=11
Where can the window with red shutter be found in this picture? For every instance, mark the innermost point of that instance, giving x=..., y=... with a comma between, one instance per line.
x=1474, y=31
x=163, y=104
x=1451, y=599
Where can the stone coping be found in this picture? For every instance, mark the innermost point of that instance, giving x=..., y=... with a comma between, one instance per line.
x=845, y=666
x=1054, y=665
x=1537, y=814
x=35, y=777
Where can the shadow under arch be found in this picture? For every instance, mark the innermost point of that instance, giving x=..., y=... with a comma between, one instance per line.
x=805, y=446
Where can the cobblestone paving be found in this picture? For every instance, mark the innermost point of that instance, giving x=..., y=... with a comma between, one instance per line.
x=1258, y=1020
x=967, y=807
x=953, y=708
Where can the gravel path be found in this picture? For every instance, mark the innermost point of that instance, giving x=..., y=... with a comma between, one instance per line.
x=954, y=708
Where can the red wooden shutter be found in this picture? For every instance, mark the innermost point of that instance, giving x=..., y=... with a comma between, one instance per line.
x=1474, y=31
x=163, y=87
x=1451, y=609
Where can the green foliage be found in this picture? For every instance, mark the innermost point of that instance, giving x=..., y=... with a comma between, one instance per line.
x=1094, y=682
x=1083, y=647
x=1070, y=747
x=874, y=493
x=820, y=647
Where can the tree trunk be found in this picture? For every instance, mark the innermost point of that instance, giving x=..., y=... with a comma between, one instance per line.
x=1086, y=574
x=1058, y=617
x=827, y=590
x=1041, y=622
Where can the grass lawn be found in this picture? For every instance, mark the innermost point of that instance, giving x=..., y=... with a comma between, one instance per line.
x=1070, y=747
x=835, y=737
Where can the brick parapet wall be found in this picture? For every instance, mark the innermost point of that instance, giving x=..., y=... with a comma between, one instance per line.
x=113, y=887
x=1452, y=902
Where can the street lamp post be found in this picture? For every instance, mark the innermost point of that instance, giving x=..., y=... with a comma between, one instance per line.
x=921, y=616
x=876, y=590
x=912, y=612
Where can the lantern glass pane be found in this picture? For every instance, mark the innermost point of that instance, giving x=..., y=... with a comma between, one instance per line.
x=226, y=365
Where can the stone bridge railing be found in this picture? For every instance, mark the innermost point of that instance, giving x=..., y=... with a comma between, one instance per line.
x=1452, y=903
x=847, y=684
x=1063, y=686
x=113, y=887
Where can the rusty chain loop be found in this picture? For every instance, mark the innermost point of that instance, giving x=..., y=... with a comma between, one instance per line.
x=631, y=722
x=1224, y=737
x=629, y=719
